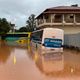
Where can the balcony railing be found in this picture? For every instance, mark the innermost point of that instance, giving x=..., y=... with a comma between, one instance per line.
x=62, y=20
x=57, y=23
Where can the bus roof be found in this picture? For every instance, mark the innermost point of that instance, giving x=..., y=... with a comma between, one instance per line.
x=18, y=32
x=47, y=28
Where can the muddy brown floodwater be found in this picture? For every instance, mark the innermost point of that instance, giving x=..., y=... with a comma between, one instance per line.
x=18, y=63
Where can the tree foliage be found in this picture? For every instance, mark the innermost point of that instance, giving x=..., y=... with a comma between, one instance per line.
x=4, y=26
x=22, y=29
x=31, y=24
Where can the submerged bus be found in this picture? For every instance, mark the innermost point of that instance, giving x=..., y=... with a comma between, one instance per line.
x=18, y=38
x=47, y=40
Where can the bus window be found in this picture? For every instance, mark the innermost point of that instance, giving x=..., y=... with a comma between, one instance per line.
x=16, y=35
x=37, y=36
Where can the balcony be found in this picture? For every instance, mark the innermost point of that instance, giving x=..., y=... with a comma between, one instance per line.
x=55, y=23
x=60, y=20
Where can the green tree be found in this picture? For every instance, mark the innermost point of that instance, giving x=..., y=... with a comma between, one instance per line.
x=22, y=29
x=31, y=23
x=4, y=26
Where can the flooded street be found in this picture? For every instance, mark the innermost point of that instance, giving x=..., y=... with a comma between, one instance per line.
x=18, y=63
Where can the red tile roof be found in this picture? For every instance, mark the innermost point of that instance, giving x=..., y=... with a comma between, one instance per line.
x=61, y=9
x=65, y=7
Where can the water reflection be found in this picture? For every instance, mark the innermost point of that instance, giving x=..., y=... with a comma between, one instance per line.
x=16, y=44
x=50, y=63
x=4, y=52
x=30, y=53
x=57, y=64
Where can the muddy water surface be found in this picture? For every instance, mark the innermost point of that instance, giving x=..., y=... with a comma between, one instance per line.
x=18, y=63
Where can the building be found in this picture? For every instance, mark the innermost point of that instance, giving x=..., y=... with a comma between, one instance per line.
x=63, y=17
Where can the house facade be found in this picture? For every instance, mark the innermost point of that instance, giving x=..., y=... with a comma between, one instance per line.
x=63, y=17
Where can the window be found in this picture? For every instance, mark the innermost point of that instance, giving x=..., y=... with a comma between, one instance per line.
x=37, y=35
x=71, y=16
x=58, y=16
x=17, y=35
x=46, y=17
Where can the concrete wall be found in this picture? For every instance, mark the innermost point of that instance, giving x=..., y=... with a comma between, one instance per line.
x=77, y=17
x=70, y=29
x=72, y=40
x=67, y=29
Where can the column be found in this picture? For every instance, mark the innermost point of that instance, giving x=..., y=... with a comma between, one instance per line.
x=63, y=21
x=44, y=20
x=51, y=18
x=74, y=19
x=36, y=22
